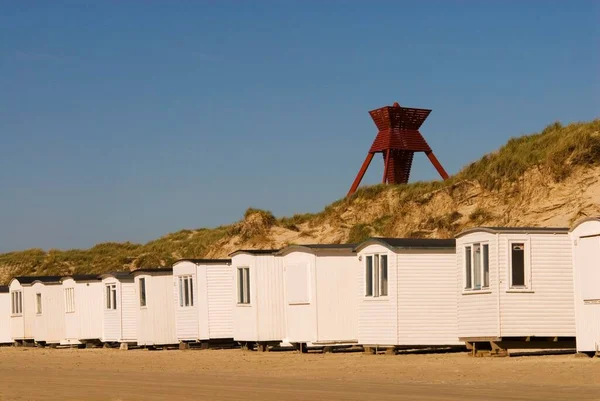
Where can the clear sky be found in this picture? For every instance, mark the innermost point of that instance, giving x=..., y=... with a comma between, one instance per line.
x=128, y=120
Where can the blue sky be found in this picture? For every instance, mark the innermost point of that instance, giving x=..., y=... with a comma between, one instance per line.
x=128, y=120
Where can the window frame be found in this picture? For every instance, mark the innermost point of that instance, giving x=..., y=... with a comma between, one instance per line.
x=70, y=300
x=374, y=282
x=527, y=286
x=16, y=298
x=243, y=282
x=186, y=290
x=39, y=300
x=469, y=267
x=142, y=296
x=110, y=293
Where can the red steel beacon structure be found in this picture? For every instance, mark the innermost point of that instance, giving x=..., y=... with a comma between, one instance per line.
x=398, y=139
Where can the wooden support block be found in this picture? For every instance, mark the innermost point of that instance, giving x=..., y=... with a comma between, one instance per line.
x=184, y=346
x=391, y=351
x=369, y=350
x=124, y=346
x=204, y=345
x=327, y=350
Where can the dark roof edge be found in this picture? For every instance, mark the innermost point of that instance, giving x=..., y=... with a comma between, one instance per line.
x=205, y=261
x=153, y=270
x=426, y=243
x=4, y=289
x=315, y=248
x=514, y=230
x=255, y=252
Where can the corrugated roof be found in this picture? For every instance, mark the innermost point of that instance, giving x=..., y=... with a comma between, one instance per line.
x=44, y=279
x=4, y=288
x=206, y=261
x=410, y=243
x=256, y=251
x=515, y=230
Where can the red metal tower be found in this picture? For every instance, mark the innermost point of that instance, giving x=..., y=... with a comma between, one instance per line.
x=398, y=140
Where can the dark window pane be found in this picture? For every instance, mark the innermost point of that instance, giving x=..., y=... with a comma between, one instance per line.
x=468, y=267
x=486, y=265
x=369, y=276
x=383, y=266
x=518, y=265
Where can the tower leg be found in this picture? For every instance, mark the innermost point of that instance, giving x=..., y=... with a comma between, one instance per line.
x=361, y=174
x=386, y=164
x=437, y=165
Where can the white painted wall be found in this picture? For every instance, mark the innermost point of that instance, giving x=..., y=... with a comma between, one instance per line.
x=22, y=325
x=50, y=324
x=5, y=336
x=156, y=320
x=427, y=302
x=320, y=296
x=85, y=322
x=219, y=294
x=120, y=325
x=264, y=318
x=478, y=311
x=378, y=317
x=546, y=308
x=421, y=306
x=187, y=318
x=585, y=238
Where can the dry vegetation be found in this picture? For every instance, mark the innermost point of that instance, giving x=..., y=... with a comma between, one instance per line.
x=549, y=178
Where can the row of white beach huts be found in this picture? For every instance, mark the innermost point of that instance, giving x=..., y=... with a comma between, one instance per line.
x=491, y=288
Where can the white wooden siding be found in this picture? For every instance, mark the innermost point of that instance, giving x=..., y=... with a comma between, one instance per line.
x=378, y=317
x=478, y=313
x=187, y=318
x=548, y=308
x=585, y=239
x=156, y=320
x=22, y=326
x=89, y=308
x=5, y=331
x=245, y=316
x=301, y=319
x=337, y=303
x=111, y=327
x=427, y=301
x=129, y=303
x=219, y=292
x=72, y=326
x=264, y=318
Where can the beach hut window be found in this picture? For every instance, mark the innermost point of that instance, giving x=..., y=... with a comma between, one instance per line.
x=243, y=281
x=38, y=303
x=186, y=291
x=17, y=302
x=111, y=296
x=477, y=266
x=142, y=292
x=376, y=276
x=517, y=264
x=69, y=300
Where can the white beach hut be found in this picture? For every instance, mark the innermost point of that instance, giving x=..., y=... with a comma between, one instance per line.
x=203, y=301
x=259, y=310
x=155, y=307
x=83, y=312
x=5, y=337
x=49, y=327
x=515, y=288
x=119, y=323
x=23, y=305
x=585, y=237
x=321, y=303
x=407, y=293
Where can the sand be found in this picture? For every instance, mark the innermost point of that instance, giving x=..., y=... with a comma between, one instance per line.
x=110, y=374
